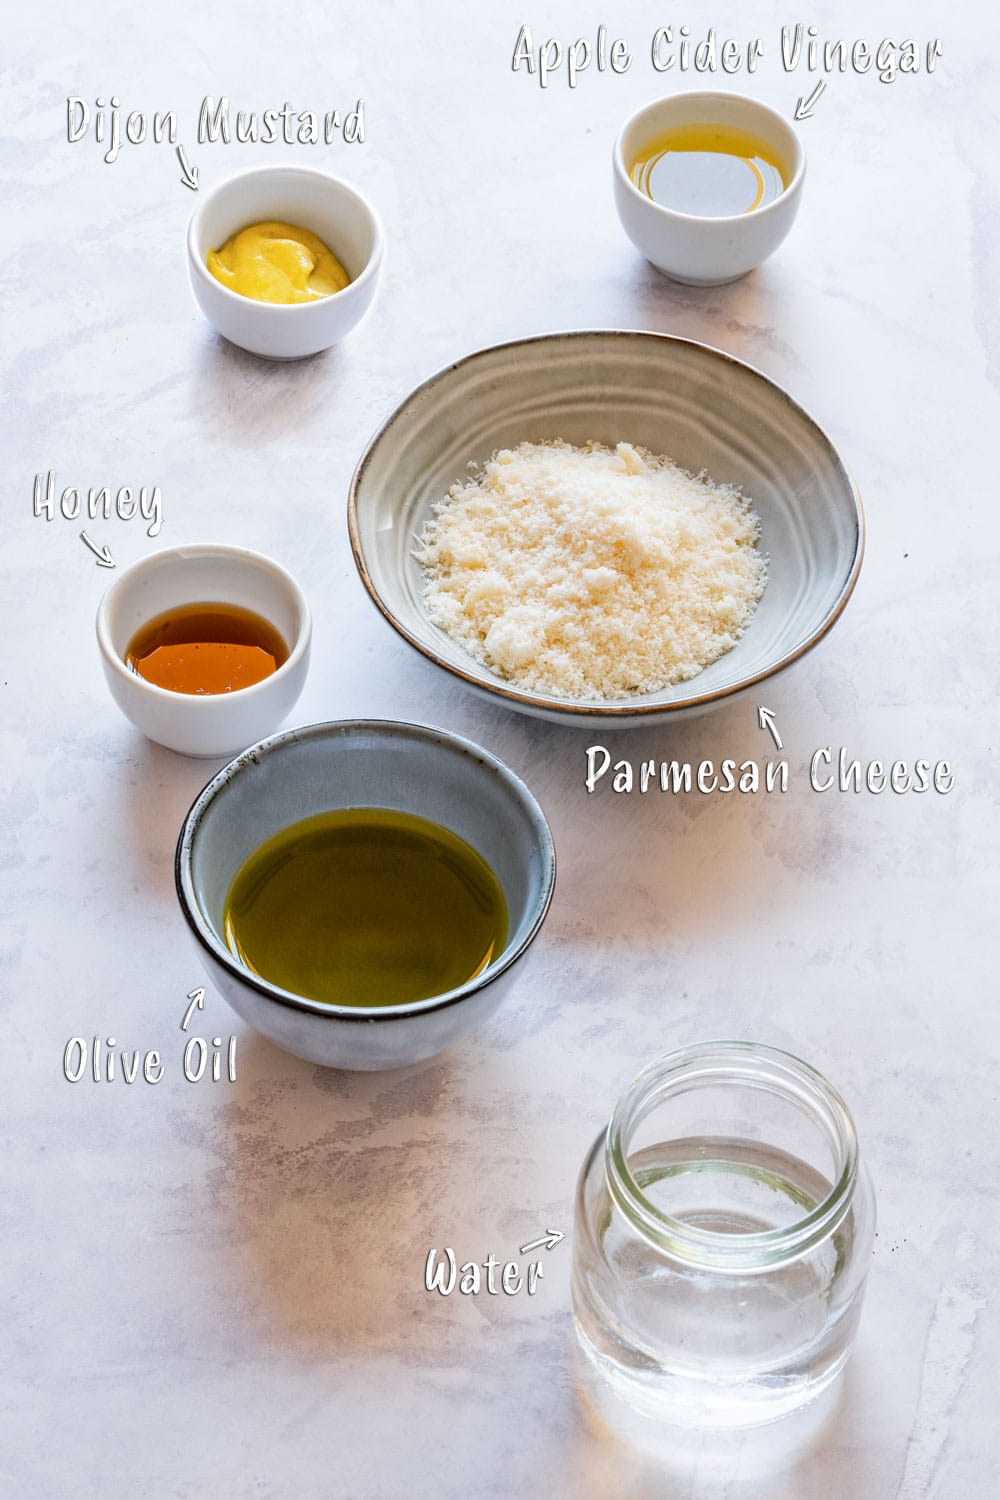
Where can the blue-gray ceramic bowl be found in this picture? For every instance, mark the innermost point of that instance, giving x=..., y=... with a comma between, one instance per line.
x=703, y=408
x=364, y=763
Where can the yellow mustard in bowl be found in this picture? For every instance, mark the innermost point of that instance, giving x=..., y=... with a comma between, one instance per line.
x=277, y=262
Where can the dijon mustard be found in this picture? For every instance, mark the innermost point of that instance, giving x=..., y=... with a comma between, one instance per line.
x=277, y=262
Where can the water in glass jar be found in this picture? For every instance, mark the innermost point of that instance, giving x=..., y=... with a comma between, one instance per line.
x=697, y=1343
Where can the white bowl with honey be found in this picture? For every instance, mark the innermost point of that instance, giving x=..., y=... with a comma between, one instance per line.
x=284, y=261
x=205, y=648
x=707, y=185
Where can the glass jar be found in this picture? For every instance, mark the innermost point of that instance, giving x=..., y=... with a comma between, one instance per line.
x=724, y=1227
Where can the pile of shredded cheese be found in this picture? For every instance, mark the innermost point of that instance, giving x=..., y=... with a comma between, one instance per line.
x=591, y=572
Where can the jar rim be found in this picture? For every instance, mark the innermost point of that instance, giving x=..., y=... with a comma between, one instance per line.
x=754, y=1065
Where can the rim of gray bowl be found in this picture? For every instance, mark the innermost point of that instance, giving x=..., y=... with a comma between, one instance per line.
x=204, y=934
x=631, y=708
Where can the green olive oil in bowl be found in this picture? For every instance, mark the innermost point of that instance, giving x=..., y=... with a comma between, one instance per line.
x=366, y=907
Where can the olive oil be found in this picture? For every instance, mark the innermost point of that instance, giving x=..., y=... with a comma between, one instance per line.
x=206, y=648
x=712, y=171
x=366, y=906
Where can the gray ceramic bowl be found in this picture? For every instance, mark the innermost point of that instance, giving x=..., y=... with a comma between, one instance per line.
x=364, y=763
x=703, y=408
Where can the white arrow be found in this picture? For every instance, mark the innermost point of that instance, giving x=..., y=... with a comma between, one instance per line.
x=190, y=177
x=197, y=998
x=765, y=720
x=549, y=1239
x=104, y=558
x=805, y=107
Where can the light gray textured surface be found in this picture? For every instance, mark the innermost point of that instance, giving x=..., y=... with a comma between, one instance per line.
x=217, y=1290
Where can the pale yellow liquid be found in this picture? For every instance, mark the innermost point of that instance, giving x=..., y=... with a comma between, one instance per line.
x=711, y=171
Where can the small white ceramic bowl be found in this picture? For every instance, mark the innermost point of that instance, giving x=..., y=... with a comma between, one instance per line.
x=707, y=251
x=218, y=723
x=345, y=222
x=364, y=763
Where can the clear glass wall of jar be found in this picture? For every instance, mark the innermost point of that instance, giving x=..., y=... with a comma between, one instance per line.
x=724, y=1228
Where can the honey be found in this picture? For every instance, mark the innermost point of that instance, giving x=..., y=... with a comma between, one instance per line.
x=206, y=648
x=710, y=171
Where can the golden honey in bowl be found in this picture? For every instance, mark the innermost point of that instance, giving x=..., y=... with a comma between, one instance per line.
x=711, y=171
x=365, y=906
x=277, y=262
x=206, y=649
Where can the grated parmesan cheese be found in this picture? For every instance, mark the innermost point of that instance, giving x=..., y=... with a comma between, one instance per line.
x=591, y=572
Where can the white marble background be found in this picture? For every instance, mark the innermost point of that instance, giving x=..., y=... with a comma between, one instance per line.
x=218, y=1291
